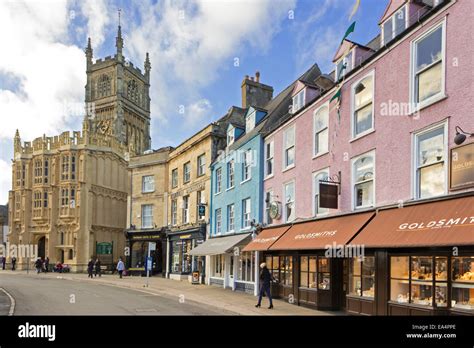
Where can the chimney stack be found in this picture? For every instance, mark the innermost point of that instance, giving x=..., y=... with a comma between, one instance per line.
x=255, y=93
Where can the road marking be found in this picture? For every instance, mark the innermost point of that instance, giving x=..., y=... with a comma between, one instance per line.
x=12, y=302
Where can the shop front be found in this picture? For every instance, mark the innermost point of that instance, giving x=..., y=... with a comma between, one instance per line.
x=230, y=267
x=420, y=259
x=181, y=264
x=308, y=259
x=139, y=243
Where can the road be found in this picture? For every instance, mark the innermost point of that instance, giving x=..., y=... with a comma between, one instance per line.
x=38, y=295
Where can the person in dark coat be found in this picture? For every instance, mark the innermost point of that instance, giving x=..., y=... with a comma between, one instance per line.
x=46, y=264
x=13, y=263
x=265, y=280
x=97, y=268
x=90, y=269
x=38, y=265
x=4, y=262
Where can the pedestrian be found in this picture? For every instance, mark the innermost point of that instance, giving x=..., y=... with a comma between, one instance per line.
x=98, y=271
x=4, y=262
x=13, y=263
x=265, y=279
x=38, y=265
x=46, y=264
x=90, y=268
x=120, y=267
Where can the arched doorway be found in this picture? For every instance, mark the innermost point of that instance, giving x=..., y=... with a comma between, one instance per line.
x=42, y=247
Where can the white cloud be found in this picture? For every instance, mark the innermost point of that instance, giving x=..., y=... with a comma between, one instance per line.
x=198, y=113
x=5, y=181
x=97, y=15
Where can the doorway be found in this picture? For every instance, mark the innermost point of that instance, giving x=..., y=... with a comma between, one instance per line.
x=42, y=247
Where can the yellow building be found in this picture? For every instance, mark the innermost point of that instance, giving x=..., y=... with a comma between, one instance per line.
x=69, y=194
x=146, y=215
x=189, y=189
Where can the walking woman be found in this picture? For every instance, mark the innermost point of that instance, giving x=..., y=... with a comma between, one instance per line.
x=90, y=268
x=265, y=280
x=120, y=267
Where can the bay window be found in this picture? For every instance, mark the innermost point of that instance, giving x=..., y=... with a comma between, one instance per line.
x=430, y=162
x=363, y=105
x=363, y=175
x=321, y=132
x=428, y=66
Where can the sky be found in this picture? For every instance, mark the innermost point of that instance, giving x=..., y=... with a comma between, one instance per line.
x=200, y=51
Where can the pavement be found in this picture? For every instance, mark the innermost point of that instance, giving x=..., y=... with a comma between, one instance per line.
x=50, y=293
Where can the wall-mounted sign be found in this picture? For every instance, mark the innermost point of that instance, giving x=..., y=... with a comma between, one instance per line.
x=461, y=173
x=328, y=195
x=104, y=248
x=202, y=210
x=186, y=236
x=275, y=210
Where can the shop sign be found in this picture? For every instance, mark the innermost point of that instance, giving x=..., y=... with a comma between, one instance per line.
x=148, y=236
x=435, y=224
x=275, y=210
x=186, y=236
x=104, y=248
x=328, y=195
x=316, y=235
x=461, y=173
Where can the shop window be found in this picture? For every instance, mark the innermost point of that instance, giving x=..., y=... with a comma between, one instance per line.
x=363, y=169
x=430, y=160
x=363, y=106
x=324, y=274
x=286, y=270
x=180, y=257
x=308, y=277
x=412, y=280
x=247, y=267
x=362, y=277
x=462, y=295
x=321, y=131
x=273, y=265
x=428, y=66
x=139, y=253
x=218, y=262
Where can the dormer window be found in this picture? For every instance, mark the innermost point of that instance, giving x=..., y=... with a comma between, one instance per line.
x=230, y=136
x=344, y=65
x=394, y=25
x=299, y=100
x=250, y=122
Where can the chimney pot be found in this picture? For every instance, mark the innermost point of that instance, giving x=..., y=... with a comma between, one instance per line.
x=257, y=76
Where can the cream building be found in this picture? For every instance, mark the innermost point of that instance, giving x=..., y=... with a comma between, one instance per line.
x=69, y=194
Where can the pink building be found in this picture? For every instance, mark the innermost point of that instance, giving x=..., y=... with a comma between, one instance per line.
x=398, y=113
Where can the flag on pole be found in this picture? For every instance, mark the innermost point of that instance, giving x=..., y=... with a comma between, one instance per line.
x=354, y=9
x=349, y=31
x=336, y=95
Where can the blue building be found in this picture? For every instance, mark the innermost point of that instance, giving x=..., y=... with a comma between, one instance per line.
x=237, y=203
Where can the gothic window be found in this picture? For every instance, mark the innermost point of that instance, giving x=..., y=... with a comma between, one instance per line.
x=103, y=86
x=38, y=171
x=132, y=91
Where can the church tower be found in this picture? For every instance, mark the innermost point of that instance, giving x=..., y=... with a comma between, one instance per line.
x=117, y=98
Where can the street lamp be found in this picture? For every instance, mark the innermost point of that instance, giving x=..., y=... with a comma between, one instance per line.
x=461, y=136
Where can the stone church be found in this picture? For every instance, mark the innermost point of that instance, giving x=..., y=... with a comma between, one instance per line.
x=69, y=192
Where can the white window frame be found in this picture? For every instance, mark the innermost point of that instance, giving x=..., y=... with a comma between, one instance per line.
x=250, y=121
x=246, y=166
x=185, y=209
x=350, y=64
x=144, y=216
x=174, y=212
x=230, y=136
x=269, y=158
x=316, y=188
x=218, y=221
x=230, y=174
x=316, y=111
x=267, y=217
x=353, y=107
x=218, y=180
x=246, y=222
x=150, y=183
x=391, y=19
x=186, y=173
x=297, y=98
x=353, y=183
x=174, y=178
x=414, y=172
x=201, y=164
x=414, y=105
x=285, y=218
x=293, y=128
x=231, y=217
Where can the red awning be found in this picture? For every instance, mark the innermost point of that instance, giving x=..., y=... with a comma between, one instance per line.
x=266, y=238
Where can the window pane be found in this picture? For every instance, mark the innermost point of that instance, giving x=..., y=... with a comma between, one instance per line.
x=431, y=147
x=422, y=268
x=321, y=119
x=429, y=82
x=400, y=21
x=290, y=156
x=428, y=50
x=363, y=92
x=421, y=294
x=432, y=180
x=322, y=140
x=312, y=264
x=364, y=168
x=363, y=119
x=289, y=137
x=364, y=194
x=304, y=263
x=399, y=267
x=304, y=279
x=387, y=31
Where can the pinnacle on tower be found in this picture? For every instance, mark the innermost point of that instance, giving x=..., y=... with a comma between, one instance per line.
x=119, y=40
x=147, y=66
x=89, y=52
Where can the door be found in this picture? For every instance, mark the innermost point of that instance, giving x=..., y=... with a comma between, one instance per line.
x=42, y=247
x=231, y=271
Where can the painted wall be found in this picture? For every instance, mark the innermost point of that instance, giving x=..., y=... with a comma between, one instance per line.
x=392, y=137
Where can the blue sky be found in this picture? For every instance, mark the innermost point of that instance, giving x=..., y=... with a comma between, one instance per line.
x=193, y=46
